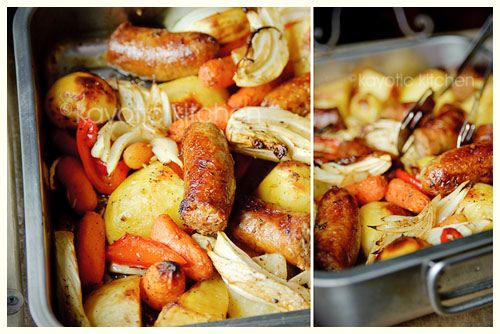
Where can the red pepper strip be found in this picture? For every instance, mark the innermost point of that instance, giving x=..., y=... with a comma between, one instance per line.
x=86, y=137
x=450, y=234
x=401, y=174
x=137, y=251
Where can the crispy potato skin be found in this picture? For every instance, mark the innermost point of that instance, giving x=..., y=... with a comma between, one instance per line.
x=77, y=96
x=293, y=95
x=209, y=183
x=337, y=230
x=268, y=228
x=158, y=54
x=402, y=246
x=472, y=163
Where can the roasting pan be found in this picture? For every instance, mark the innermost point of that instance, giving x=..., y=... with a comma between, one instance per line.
x=48, y=43
x=446, y=279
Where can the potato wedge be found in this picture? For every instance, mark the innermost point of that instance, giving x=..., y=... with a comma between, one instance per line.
x=335, y=94
x=69, y=288
x=371, y=214
x=374, y=83
x=143, y=196
x=478, y=204
x=188, y=95
x=431, y=78
x=206, y=301
x=240, y=306
x=287, y=185
x=117, y=303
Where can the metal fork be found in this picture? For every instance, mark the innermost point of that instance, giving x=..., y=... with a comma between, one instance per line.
x=469, y=126
x=415, y=115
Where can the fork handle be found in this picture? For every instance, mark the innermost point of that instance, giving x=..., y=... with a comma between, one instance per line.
x=485, y=32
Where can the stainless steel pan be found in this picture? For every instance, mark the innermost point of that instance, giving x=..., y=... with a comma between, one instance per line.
x=48, y=43
x=449, y=278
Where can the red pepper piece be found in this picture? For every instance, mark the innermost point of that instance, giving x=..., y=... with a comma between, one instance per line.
x=86, y=137
x=450, y=234
x=401, y=174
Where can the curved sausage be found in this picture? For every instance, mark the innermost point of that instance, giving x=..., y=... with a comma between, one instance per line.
x=293, y=95
x=439, y=134
x=337, y=230
x=157, y=54
x=472, y=163
x=268, y=228
x=341, y=152
x=209, y=183
x=484, y=133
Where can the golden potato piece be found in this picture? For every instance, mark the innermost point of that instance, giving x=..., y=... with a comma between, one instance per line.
x=478, y=204
x=188, y=95
x=132, y=207
x=117, y=303
x=415, y=88
x=205, y=301
x=80, y=95
x=240, y=306
x=287, y=185
x=401, y=246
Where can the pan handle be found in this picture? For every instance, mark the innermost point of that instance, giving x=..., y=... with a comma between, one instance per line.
x=436, y=269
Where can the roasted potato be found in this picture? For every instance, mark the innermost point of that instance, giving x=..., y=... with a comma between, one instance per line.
x=69, y=288
x=478, y=204
x=374, y=83
x=80, y=95
x=401, y=246
x=371, y=214
x=288, y=186
x=241, y=306
x=431, y=78
x=298, y=37
x=366, y=108
x=117, y=303
x=188, y=95
x=143, y=196
x=335, y=94
x=485, y=108
x=206, y=301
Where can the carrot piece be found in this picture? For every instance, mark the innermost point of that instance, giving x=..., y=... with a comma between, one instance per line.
x=249, y=96
x=91, y=248
x=79, y=191
x=226, y=49
x=217, y=73
x=137, y=155
x=199, y=266
x=137, y=251
x=406, y=196
x=162, y=283
x=369, y=190
x=218, y=114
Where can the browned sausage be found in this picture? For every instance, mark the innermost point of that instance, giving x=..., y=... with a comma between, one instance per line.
x=337, y=231
x=472, y=163
x=293, y=95
x=439, y=134
x=209, y=183
x=484, y=133
x=268, y=228
x=340, y=151
x=327, y=119
x=157, y=54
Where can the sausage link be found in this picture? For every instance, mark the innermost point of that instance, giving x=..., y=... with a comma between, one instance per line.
x=209, y=183
x=157, y=54
x=265, y=227
x=472, y=163
x=439, y=134
x=337, y=230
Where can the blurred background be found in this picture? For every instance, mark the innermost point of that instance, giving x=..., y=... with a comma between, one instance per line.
x=351, y=25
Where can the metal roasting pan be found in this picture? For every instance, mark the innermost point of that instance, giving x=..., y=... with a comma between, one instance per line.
x=446, y=279
x=50, y=42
